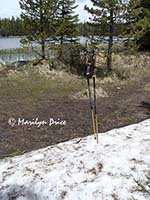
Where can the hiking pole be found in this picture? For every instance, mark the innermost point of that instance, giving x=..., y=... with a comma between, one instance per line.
x=90, y=72
x=95, y=107
x=91, y=107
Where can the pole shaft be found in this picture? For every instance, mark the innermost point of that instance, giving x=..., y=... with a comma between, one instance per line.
x=95, y=108
x=91, y=107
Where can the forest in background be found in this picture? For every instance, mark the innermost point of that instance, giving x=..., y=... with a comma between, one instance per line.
x=16, y=27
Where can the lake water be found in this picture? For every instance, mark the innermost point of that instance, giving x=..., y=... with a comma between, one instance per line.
x=10, y=42
x=10, y=58
x=13, y=43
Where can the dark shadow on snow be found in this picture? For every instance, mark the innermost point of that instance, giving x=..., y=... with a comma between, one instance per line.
x=15, y=191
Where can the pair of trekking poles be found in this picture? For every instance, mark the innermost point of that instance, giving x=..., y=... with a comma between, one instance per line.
x=92, y=101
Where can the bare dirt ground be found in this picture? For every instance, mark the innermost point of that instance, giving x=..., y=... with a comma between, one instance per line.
x=125, y=105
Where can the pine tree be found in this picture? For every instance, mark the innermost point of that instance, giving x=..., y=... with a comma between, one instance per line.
x=38, y=17
x=138, y=21
x=66, y=20
x=107, y=12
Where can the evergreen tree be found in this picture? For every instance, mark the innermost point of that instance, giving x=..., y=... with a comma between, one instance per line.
x=138, y=21
x=84, y=29
x=107, y=12
x=12, y=27
x=19, y=27
x=66, y=20
x=38, y=18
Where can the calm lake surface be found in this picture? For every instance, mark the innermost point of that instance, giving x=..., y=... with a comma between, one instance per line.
x=10, y=42
x=13, y=43
x=10, y=58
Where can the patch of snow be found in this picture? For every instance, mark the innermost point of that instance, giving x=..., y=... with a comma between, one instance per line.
x=81, y=169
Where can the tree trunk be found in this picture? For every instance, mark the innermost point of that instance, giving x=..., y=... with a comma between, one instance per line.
x=42, y=30
x=43, y=49
x=61, y=40
x=110, y=43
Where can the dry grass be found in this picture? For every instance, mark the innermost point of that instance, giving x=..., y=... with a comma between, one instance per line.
x=32, y=80
x=124, y=67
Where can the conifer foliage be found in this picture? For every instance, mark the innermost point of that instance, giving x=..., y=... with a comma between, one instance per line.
x=138, y=19
x=38, y=18
x=66, y=20
x=48, y=19
x=107, y=12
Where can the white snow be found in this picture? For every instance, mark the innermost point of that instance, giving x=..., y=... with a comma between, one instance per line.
x=80, y=169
